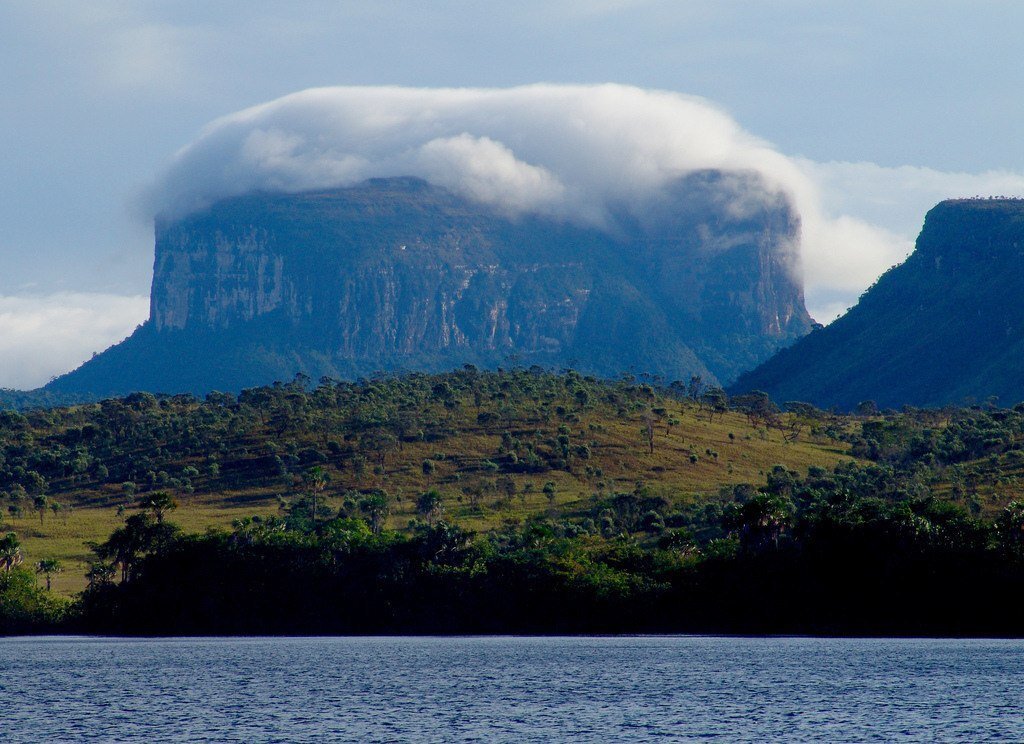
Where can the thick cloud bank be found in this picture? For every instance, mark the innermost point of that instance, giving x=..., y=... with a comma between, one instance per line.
x=566, y=151
x=562, y=150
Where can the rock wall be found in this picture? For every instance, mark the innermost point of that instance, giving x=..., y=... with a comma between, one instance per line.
x=396, y=273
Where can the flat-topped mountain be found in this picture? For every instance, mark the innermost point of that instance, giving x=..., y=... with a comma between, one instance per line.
x=397, y=274
x=946, y=326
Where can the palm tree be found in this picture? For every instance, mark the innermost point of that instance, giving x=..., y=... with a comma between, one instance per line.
x=158, y=503
x=48, y=567
x=10, y=551
x=126, y=545
x=41, y=504
x=100, y=573
x=377, y=509
x=428, y=504
x=760, y=521
x=315, y=480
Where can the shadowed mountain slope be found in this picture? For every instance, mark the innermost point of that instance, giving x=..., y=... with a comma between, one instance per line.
x=946, y=326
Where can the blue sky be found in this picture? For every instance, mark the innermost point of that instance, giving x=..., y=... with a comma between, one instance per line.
x=889, y=107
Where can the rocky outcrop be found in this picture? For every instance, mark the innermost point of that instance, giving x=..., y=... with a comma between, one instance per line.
x=398, y=274
x=946, y=326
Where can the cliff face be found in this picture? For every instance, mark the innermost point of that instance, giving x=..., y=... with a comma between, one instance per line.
x=398, y=274
x=367, y=284
x=946, y=326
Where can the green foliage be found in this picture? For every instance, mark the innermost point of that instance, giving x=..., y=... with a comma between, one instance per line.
x=429, y=505
x=797, y=555
x=924, y=499
x=24, y=607
x=10, y=551
x=48, y=567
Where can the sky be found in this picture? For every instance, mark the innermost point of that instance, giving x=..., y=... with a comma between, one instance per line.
x=885, y=108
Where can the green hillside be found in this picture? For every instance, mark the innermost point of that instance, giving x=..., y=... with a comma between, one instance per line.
x=500, y=448
x=509, y=501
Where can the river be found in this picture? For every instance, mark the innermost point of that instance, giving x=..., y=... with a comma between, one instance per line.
x=514, y=689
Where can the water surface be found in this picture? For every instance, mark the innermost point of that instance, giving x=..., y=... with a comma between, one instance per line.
x=510, y=689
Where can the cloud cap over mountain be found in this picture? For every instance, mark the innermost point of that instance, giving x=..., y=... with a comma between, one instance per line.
x=574, y=152
x=562, y=150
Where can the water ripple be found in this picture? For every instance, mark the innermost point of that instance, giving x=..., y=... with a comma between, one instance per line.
x=510, y=689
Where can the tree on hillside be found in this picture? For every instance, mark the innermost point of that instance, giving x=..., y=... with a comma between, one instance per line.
x=758, y=408
x=695, y=389
x=41, y=504
x=314, y=481
x=867, y=408
x=1009, y=527
x=648, y=430
x=801, y=416
x=715, y=400
x=759, y=522
x=428, y=505
x=140, y=536
x=376, y=506
x=100, y=573
x=48, y=567
x=157, y=503
x=10, y=551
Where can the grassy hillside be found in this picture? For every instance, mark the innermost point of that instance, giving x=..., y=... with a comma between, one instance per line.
x=500, y=448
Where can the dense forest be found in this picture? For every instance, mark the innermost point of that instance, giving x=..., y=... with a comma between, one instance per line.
x=510, y=501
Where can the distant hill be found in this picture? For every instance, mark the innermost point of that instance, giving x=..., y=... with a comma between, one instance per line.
x=396, y=274
x=946, y=326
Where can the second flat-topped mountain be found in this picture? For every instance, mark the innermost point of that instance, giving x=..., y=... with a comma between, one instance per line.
x=944, y=327
x=396, y=274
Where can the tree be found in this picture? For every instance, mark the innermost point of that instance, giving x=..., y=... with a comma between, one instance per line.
x=157, y=503
x=801, y=415
x=140, y=536
x=34, y=483
x=715, y=400
x=672, y=421
x=100, y=573
x=696, y=388
x=428, y=505
x=648, y=430
x=315, y=481
x=41, y=504
x=760, y=521
x=867, y=408
x=1009, y=527
x=428, y=468
x=758, y=408
x=48, y=567
x=10, y=551
x=377, y=507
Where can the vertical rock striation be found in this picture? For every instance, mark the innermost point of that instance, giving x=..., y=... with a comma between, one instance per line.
x=396, y=274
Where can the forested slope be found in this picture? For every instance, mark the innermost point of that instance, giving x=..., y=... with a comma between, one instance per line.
x=510, y=501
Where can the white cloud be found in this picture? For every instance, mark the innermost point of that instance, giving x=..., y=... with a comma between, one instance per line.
x=898, y=197
x=583, y=146
x=845, y=254
x=46, y=335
